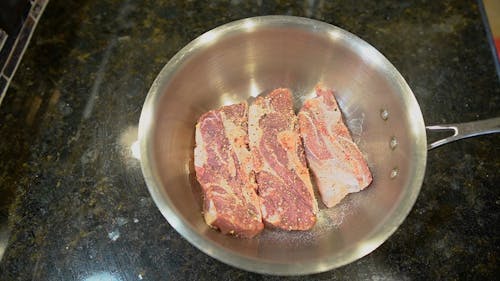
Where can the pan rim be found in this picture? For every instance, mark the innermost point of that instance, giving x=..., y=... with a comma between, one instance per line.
x=362, y=248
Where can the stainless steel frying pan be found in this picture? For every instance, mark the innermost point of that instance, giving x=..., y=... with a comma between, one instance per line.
x=245, y=58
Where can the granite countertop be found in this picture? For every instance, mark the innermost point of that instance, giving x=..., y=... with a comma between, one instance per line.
x=74, y=205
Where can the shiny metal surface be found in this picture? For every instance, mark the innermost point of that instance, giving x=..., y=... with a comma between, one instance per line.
x=243, y=59
x=465, y=130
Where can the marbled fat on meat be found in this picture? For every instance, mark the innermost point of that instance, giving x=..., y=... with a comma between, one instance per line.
x=224, y=168
x=284, y=185
x=334, y=159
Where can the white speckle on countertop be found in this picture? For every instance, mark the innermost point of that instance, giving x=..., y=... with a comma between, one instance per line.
x=121, y=221
x=114, y=235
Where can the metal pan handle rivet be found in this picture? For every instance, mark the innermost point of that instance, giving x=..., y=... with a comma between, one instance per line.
x=393, y=143
x=394, y=173
x=384, y=114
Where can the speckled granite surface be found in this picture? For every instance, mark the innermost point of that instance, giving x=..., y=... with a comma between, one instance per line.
x=74, y=199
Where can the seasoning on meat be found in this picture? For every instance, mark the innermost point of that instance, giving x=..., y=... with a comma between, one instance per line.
x=224, y=168
x=284, y=185
x=336, y=162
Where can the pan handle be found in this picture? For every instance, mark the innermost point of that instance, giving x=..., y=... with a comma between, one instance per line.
x=465, y=130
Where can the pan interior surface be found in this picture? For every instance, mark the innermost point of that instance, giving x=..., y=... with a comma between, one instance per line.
x=243, y=59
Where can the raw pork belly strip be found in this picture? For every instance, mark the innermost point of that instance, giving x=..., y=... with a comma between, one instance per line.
x=334, y=159
x=284, y=185
x=224, y=168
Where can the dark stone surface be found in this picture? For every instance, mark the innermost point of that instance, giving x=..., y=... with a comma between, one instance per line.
x=77, y=205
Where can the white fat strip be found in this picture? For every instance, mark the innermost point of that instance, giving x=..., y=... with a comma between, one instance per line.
x=329, y=115
x=263, y=210
x=200, y=151
x=210, y=213
x=315, y=132
x=274, y=219
x=254, y=131
x=231, y=167
x=227, y=188
x=233, y=132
